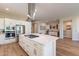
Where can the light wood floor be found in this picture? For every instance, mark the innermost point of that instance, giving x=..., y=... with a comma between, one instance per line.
x=65, y=47
x=12, y=49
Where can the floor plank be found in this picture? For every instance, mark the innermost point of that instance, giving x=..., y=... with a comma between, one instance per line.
x=67, y=47
x=12, y=49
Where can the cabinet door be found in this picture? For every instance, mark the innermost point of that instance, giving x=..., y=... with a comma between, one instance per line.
x=38, y=49
x=25, y=44
x=9, y=22
x=2, y=38
x=28, y=49
x=1, y=23
x=28, y=28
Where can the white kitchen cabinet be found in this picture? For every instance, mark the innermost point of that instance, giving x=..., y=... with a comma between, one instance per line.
x=13, y=22
x=1, y=23
x=31, y=47
x=27, y=47
x=38, y=49
x=34, y=48
x=6, y=22
x=4, y=40
x=9, y=22
x=53, y=33
x=28, y=27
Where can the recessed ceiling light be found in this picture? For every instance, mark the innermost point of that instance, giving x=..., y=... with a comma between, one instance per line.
x=6, y=9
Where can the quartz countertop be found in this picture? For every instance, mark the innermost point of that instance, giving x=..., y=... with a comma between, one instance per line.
x=43, y=39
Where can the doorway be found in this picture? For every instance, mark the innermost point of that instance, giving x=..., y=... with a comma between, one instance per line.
x=68, y=29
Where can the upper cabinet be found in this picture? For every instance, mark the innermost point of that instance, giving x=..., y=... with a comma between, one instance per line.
x=10, y=22
x=28, y=27
x=14, y=22
x=1, y=22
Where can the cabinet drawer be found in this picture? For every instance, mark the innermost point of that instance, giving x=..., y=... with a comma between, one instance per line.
x=31, y=47
x=27, y=47
x=28, y=41
x=36, y=44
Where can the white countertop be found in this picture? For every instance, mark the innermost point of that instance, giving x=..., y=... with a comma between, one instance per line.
x=43, y=39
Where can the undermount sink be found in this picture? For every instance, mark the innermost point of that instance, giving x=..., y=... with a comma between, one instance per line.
x=31, y=36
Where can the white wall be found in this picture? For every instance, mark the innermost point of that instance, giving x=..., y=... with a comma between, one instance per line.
x=42, y=31
x=75, y=30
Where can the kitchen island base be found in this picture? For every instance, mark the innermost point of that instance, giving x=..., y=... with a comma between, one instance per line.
x=44, y=45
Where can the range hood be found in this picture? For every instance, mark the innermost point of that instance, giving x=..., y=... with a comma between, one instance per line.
x=31, y=12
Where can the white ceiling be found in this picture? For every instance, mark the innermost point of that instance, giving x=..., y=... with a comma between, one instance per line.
x=17, y=9
x=45, y=11
x=53, y=11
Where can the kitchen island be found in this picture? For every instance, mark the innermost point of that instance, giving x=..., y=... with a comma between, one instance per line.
x=38, y=44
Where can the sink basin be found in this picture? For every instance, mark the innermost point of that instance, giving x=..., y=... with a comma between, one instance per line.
x=31, y=36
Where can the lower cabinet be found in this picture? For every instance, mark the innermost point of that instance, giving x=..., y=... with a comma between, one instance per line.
x=4, y=40
x=37, y=52
x=26, y=47
x=38, y=49
x=31, y=48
